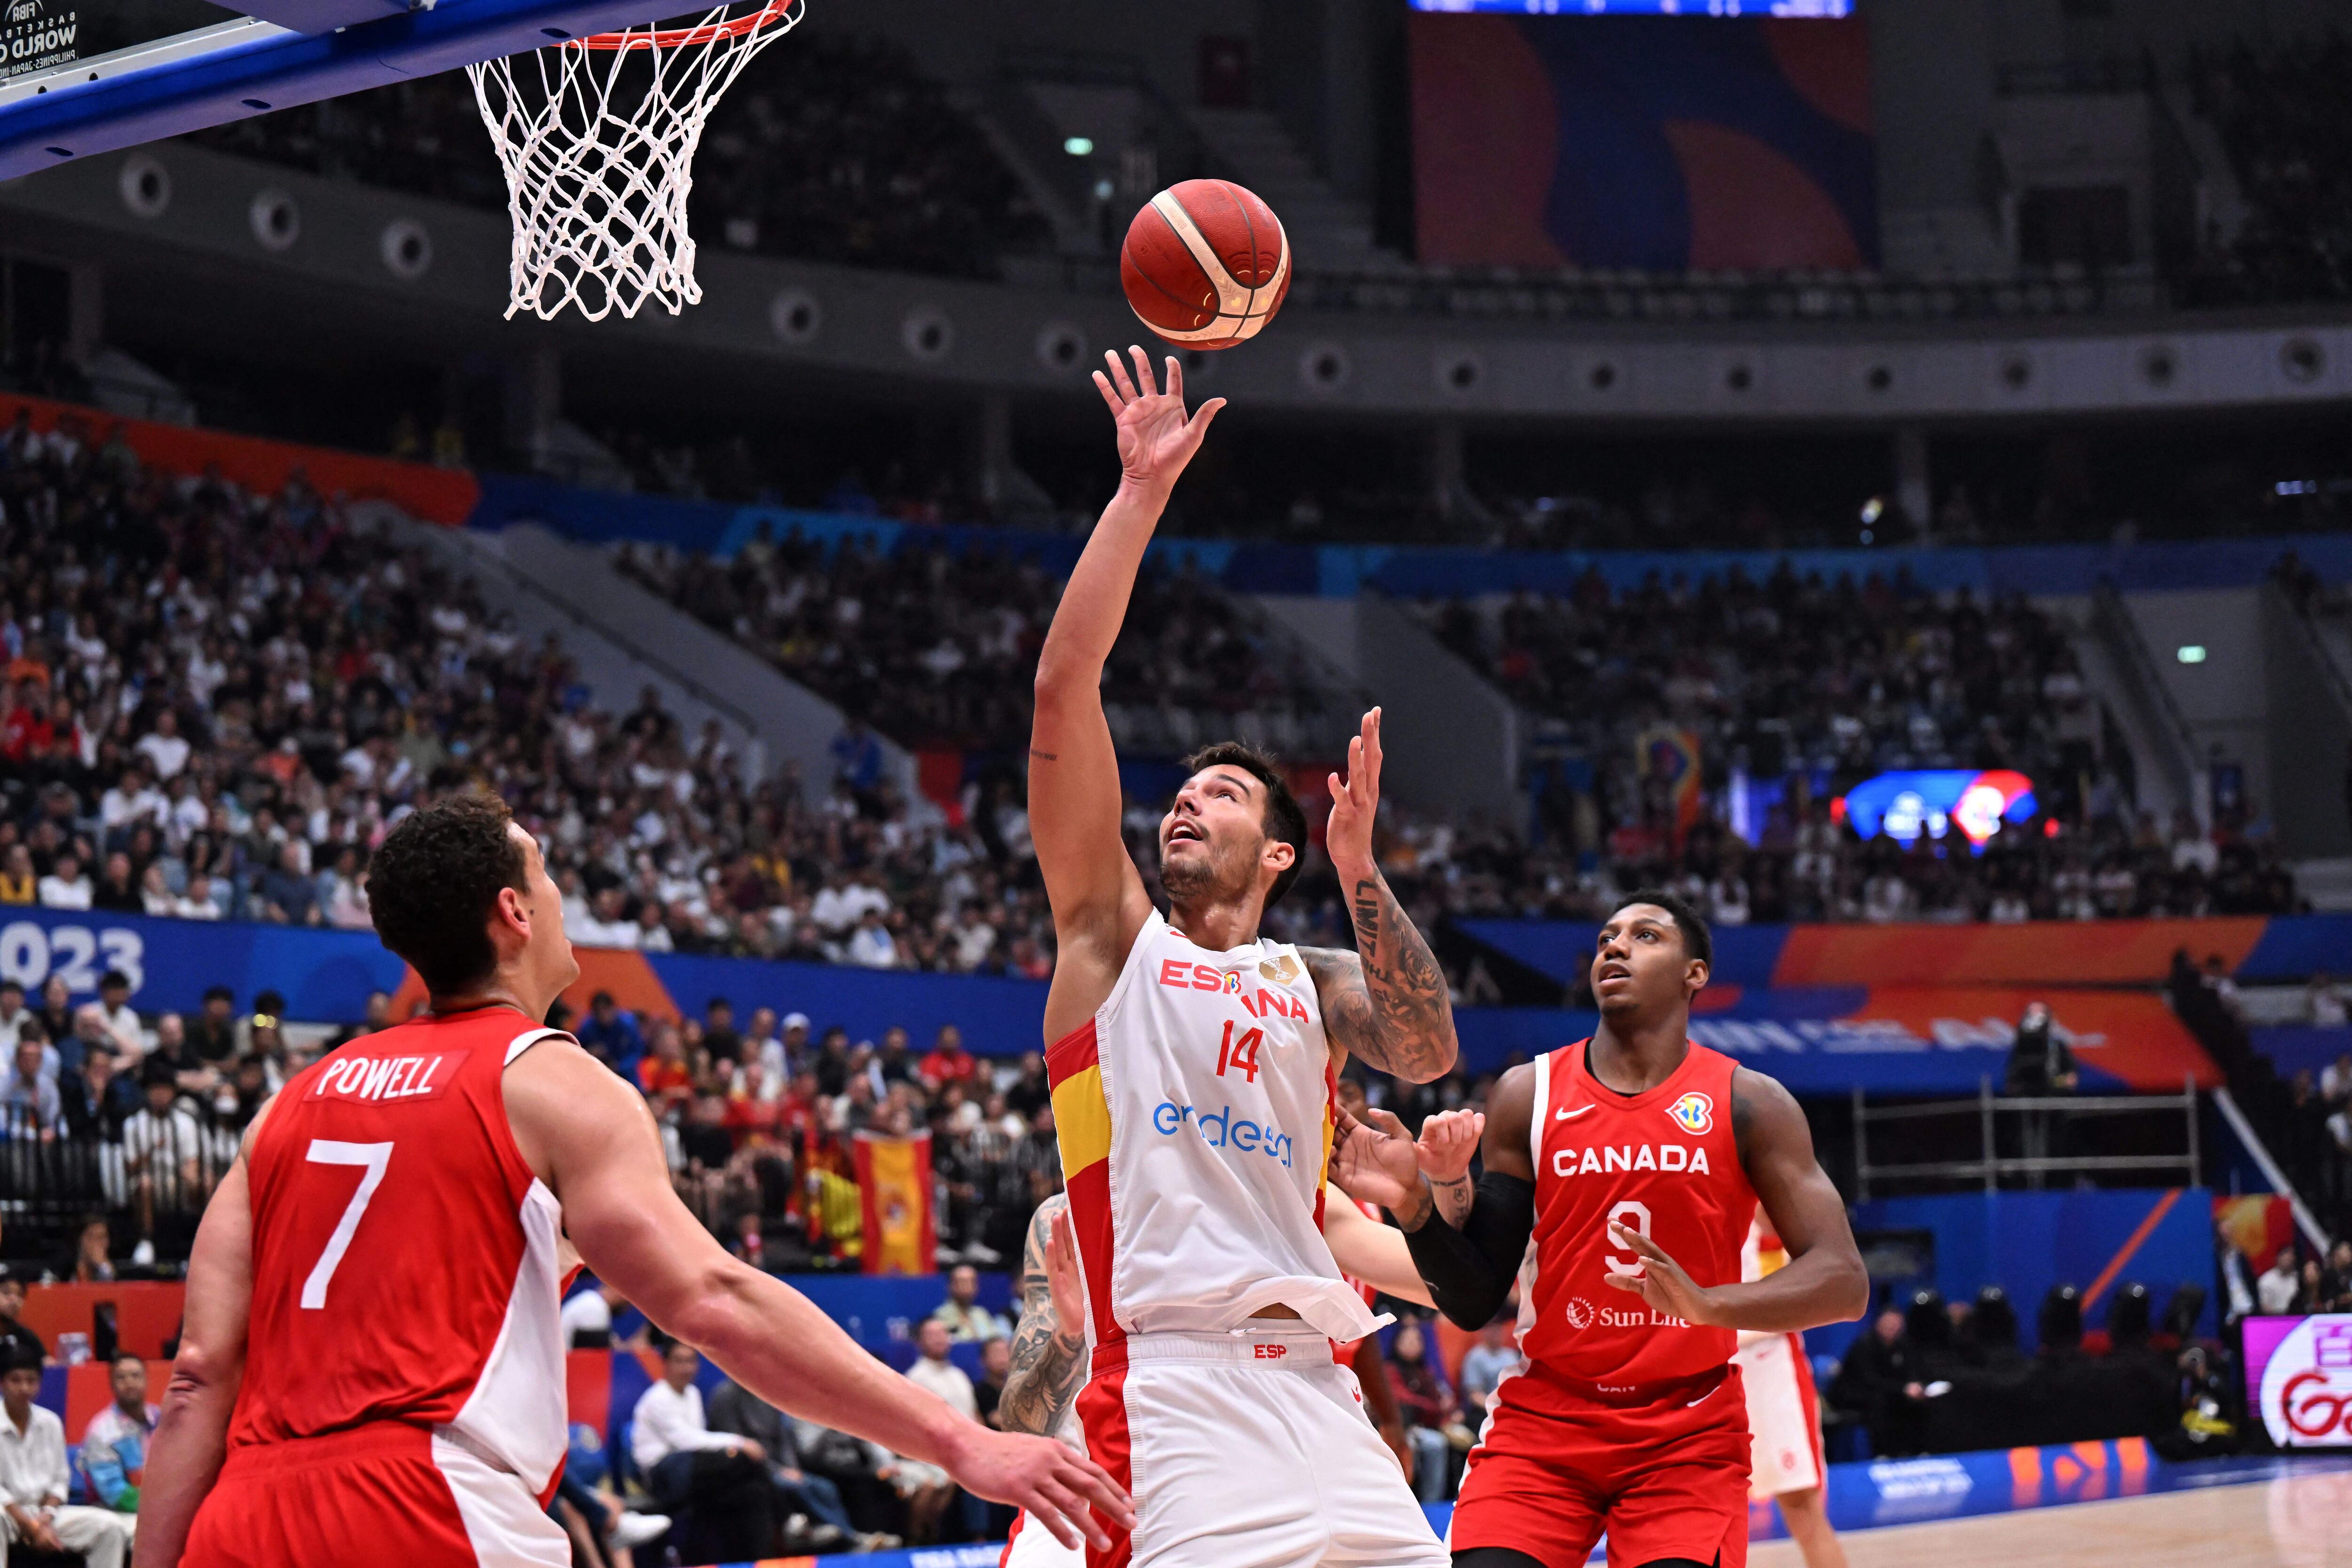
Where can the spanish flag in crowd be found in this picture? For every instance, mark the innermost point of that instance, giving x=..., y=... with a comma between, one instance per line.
x=1670, y=756
x=893, y=1184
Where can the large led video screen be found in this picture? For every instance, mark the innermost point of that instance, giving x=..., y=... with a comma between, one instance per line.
x=2299, y=1379
x=1661, y=144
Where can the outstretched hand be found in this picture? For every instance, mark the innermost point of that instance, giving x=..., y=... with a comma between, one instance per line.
x=1155, y=437
x=1375, y=1160
x=1356, y=803
x=1062, y=1274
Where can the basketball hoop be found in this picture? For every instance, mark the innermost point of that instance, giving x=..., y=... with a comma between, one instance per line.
x=599, y=161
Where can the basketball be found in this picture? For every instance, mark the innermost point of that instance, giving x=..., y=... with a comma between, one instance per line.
x=1205, y=264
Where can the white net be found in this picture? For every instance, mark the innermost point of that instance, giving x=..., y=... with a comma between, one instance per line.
x=598, y=139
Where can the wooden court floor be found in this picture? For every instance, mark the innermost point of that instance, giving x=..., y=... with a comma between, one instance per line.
x=2295, y=1521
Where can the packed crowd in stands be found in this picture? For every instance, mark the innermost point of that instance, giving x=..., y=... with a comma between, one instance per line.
x=2288, y=133
x=838, y=150
x=938, y=649
x=1813, y=686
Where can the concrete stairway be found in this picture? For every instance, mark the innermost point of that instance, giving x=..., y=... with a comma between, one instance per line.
x=1329, y=232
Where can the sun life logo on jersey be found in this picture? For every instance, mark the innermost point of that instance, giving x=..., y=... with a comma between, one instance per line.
x=1580, y=1312
x=1694, y=1113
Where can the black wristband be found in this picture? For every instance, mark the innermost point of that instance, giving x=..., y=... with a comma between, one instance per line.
x=1469, y=1271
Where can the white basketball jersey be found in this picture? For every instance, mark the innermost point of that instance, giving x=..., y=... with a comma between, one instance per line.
x=1194, y=1111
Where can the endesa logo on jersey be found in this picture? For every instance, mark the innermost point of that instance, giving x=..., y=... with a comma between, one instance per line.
x=1264, y=1003
x=1220, y=1129
x=383, y=1079
x=1694, y=1113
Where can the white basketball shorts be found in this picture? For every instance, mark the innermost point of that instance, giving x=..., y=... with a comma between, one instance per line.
x=1784, y=1418
x=1246, y=1450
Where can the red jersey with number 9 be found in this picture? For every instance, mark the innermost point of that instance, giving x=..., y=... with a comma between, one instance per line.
x=404, y=1258
x=1663, y=1164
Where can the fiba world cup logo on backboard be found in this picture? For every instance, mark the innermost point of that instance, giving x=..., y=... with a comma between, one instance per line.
x=2307, y=1385
x=1694, y=1113
x=37, y=35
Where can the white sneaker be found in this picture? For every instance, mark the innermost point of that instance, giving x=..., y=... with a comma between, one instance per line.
x=636, y=1528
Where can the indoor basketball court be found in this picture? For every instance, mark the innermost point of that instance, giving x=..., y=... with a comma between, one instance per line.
x=2298, y=1518
x=1843, y=512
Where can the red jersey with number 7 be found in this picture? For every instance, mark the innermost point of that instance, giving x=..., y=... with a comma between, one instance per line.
x=1663, y=1164
x=404, y=1258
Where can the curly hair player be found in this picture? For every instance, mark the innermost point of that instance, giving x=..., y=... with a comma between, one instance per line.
x=1192, y=1064
x=372, y=1370
x=1622, y=1173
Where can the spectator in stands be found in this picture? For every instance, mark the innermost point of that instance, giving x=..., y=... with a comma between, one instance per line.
x=718, y=1036
x=2277, y=1290
x=664, y=1074
x=611, y=1036
x=117, y=891
x=18, y=883
x=926, y=1489
x=213, y=1037
x=1430, y=1411
x=92, y=1262
x=2324, y=999
x=114, y=1444
x=996, y=1367
x=718, y=1478
x=29, y=1093
x=946, y=1061
x=2335, y=1288
x=96, y=1100
x=167, y=1155
x=65, y=887
x=12, y=1006
x=289, y=894
x=587, y=1319
x=33, y=1480
x=734, y=1408
x=121, y=1019
x=57, y=1012
x=1485, y=1364
x=962, y=1314
x=16, y=1340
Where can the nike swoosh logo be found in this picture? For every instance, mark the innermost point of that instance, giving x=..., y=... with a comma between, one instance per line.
x=1572, y=1115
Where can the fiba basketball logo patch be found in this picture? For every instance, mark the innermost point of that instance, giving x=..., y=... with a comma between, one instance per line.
x=1694, y=1113
x=1232, y=983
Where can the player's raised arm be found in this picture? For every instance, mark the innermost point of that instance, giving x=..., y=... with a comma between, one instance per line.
x=1098, y=896
x=1387, y=1001
x=1823, y=1282
x=592, y=1141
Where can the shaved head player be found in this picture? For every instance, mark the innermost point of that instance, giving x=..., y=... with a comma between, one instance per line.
x=1192, y=1063
x=371, y=1369
x=1621, y=1175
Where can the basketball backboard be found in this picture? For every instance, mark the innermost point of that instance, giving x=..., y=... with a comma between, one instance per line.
x=159, y=77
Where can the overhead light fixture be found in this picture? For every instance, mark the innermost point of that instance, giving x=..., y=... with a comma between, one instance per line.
x=2191, y=653
x=1079, y=146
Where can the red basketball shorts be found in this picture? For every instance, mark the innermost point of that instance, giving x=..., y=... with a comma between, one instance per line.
x=1555, y=1469
x=380, y=1496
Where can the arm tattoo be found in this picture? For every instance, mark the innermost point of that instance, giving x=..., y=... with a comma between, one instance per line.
x=1048, y=1368
x=1453, y=1198
x=1388, y=1000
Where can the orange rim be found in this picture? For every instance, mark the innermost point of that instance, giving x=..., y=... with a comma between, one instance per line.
x=768, y=16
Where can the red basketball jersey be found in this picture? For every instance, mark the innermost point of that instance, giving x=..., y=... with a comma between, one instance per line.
x=403, y=1256
x=1662, y=1162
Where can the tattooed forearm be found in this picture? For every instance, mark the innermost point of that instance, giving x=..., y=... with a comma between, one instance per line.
x=1048, y=1367
x=1453, y=1198
x=1387, y=1001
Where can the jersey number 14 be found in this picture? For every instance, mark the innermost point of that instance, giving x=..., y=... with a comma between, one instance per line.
x=1240, y=1055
